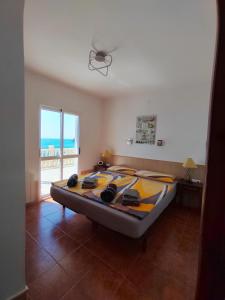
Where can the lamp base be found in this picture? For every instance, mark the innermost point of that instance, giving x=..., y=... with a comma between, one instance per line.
x=188, y=175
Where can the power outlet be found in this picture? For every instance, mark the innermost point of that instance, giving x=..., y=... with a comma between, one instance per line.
x=196, y=180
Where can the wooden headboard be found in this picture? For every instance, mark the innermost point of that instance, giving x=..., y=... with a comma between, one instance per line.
x=169, y=167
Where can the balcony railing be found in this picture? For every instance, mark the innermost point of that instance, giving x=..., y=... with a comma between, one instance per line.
x=51, y=168
x=55, y=152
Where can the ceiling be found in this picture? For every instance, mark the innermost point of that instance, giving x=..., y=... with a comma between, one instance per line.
x=159, y=43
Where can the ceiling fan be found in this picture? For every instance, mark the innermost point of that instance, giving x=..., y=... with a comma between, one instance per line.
x=100, y=60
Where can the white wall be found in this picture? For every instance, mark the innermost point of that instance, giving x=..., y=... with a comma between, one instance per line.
x=182, y=117
x=41, y=90
x=12, y=176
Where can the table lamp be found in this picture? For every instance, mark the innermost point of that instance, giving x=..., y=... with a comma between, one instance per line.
x=189, y=164
x=106, y=155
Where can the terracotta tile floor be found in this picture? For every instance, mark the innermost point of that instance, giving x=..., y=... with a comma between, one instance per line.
x=66, y=259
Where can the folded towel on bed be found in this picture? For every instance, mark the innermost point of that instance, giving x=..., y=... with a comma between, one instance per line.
x=131, y=197
x=89, y=183
x=131, y=194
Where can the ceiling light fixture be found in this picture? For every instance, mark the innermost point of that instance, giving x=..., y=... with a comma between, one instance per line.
x=100, y=60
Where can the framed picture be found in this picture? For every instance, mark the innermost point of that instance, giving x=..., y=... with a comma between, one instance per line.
x=146, y=129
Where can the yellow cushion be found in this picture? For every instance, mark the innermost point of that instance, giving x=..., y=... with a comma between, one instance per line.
x=168, y=178
x=122, y=169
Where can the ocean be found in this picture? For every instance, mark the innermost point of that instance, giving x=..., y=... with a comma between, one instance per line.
x=68, y=143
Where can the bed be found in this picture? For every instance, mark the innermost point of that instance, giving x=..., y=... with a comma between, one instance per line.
x=130, y=222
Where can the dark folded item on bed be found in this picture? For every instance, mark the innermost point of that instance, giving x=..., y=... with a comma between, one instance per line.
x=131, y=198
x=131, y=194
x=72, y=181
x=88, y=186
x=130, y=202
x=109, y=193
x=89, y=183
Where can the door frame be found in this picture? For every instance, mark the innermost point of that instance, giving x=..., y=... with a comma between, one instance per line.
x=211, y=274
x=61, y=157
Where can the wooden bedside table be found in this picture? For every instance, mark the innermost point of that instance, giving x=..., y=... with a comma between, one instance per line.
x=192, y=190
x=100, y=168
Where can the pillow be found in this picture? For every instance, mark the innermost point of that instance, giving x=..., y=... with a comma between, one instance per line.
x=122, y=169
x=168, y=178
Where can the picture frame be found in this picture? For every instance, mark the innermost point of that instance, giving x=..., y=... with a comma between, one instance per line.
x=146, y=129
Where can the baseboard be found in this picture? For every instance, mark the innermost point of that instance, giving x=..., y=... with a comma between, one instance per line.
x=22, y=295
x=33, y=203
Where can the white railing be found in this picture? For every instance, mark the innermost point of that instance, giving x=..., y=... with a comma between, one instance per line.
x=55, y=152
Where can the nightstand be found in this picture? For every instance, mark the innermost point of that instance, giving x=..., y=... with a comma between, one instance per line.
x=100, y=168
x=189, y=194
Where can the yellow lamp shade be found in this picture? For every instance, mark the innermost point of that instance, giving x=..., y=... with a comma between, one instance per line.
x=189, y=164
x=106, y=155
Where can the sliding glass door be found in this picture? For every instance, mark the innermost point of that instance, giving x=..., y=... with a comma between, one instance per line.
x=59, y=146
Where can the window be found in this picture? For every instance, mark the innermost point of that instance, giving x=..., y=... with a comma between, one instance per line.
x=59, y=146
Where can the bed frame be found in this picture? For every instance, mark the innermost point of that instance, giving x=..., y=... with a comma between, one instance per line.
x=103, y=215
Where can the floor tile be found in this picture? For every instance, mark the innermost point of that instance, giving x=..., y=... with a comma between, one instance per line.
x=80, y=228
x=127, y=291
x=52, y=285
x=100, y=283
x=47, y=235
x=155, y=284
x=184, y=268
x=37, y=263
x=115, y=250
x=78, y=263
x=31, y=245
x=61, y=247
x=61, y=215
x=37, y=224
x=42, y=209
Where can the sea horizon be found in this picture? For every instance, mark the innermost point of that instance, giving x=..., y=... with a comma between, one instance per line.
x=46, y=142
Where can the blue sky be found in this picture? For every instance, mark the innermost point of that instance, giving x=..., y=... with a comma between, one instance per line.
x=50, y=125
